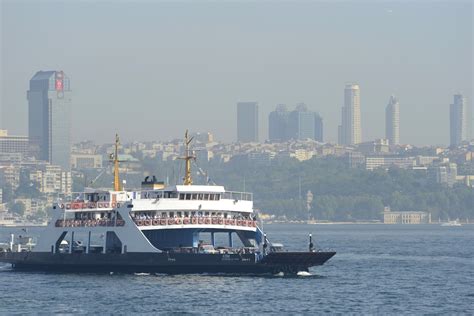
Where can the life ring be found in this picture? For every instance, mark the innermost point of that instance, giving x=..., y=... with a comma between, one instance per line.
x=114, y=204
x=156, y=222
x=239, y=223
x=194, y=220
x=214, y=221
x=171, y=221
x=200, y=220
x=207, y=221
x=100, y=205
x=148, y=222
x=221, y=221
x=76, y=205
x=139, y=222
x=186, y=221
x=254, y=224
x=105, y=204
x=178, y=221
x=163, y=222
x=83, y=205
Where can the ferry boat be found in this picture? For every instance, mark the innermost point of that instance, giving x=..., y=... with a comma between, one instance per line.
x=159, y=229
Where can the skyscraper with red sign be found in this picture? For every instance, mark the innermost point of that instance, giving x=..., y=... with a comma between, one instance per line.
x=49, y=117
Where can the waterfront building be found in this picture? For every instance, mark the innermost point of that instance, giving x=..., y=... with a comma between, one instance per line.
x=458, y=120
x=247, y=122
x=350, y=131
x=278, y=124
x=392, y=121
x=391, y=217
x=49, y=117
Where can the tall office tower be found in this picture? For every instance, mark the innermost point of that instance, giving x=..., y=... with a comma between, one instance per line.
x=318, y=128
x=350, y=132
x=458, y=120
x=392, y=121
x=278, y=124
x=247, y=122
x=49, y=117
x=301, y=123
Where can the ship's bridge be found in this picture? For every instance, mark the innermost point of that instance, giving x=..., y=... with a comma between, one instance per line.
x=193, y=198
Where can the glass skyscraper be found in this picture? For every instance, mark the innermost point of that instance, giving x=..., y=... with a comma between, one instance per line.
x=49, y=117
x=299, y=124
x=392, y=121
x=278, y=124
x=247, y=122
x=350, y=132
x=458, y=120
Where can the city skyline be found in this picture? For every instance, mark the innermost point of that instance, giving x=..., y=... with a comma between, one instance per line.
x=184, y=81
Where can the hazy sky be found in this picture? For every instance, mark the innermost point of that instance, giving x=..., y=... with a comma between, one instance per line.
x=151, y=69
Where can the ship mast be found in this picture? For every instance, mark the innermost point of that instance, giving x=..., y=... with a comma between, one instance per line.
x=187, y=157
x=117, y=186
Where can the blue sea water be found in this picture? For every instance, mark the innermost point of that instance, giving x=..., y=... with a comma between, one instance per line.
x=378, y=269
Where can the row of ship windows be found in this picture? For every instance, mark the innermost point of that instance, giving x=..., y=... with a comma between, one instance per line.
x=200, y=196
x=154, y=215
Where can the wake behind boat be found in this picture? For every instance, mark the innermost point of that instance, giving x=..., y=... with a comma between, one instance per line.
x=158, y=229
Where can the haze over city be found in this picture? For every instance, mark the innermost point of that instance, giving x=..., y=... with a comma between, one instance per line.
x=150, y=70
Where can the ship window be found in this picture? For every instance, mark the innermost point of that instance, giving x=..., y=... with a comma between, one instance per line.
x=211, y=197
x=213, y=214
x=171, y=214
x=173, y=195
x=186, y=214
x=163, y=214
x=193, y=213
x=179, y=214
x=188, y=196
x=200, y=196
x=194, y=196
x=206, y=196
x=217, y=197
x=181, y=196
x=225, y=215
x=206, y=214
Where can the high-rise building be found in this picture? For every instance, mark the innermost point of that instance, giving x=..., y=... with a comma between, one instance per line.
x=49, y=116
x=458, y=120
x=301, y=123
x=318, y=128
x=247, y=122
x=278, y=124
x=392, y=121
x=350, y=132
